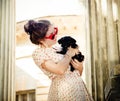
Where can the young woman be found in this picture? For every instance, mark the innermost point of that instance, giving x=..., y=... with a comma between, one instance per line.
x=66, y=85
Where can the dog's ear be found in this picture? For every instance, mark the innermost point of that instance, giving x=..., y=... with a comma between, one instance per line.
x=70, y=39
x=73, y=40
x=67, y=40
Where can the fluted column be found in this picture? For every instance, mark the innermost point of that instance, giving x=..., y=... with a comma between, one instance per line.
x=98, y=43
x=113, y=55
x=101, y=68
x=7, y=50
x=118, y=2
x=88, y=51
x=93, y=45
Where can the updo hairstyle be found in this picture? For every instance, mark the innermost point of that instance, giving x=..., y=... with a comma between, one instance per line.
x=37, y=30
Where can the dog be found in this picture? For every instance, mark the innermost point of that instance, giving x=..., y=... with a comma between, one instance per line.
x=65, y=43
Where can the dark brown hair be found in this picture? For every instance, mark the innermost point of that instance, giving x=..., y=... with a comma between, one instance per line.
x=37, y=30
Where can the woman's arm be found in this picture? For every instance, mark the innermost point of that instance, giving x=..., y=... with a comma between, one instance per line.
x=61, y=66
x=77, y=65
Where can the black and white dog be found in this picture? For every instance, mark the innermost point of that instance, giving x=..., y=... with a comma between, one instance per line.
x=66, y=42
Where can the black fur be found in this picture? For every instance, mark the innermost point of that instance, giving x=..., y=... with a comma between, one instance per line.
x=66, y=42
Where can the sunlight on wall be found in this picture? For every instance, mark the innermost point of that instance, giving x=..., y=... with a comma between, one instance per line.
x=104, y=7
x=115, y=13
x=32, y=70
x=114, y=8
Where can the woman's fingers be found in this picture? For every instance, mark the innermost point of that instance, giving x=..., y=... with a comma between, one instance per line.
x=76, y=64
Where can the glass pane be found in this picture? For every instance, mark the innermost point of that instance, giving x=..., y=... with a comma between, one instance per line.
x=17, y=96
x=24, y=97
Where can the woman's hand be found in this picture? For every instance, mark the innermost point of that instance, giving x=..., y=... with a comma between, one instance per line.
x=77, y=65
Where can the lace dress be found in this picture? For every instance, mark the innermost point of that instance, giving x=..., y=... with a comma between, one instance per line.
x=67, y=87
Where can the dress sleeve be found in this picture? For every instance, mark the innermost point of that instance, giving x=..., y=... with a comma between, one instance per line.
x=39, y=56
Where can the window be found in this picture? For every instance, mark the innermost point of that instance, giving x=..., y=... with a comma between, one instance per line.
x=28, y=95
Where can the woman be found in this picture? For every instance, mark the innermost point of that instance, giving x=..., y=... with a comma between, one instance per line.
x=66, y=85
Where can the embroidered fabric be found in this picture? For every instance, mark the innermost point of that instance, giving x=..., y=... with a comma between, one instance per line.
x=67, y=87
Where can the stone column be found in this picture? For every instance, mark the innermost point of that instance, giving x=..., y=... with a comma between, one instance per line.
x=113, y=55
x=102, y=67
x=112, y=86
x=98, y=44
x=7, y=50
x=93, y=45
x=118, y=5
x=104, y=46
x=88, y=51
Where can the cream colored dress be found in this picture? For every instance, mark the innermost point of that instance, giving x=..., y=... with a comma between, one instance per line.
x=67, y=87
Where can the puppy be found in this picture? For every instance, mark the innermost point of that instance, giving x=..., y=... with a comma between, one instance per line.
x=66, y=42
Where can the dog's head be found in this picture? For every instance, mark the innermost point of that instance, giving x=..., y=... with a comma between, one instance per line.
x=67, y=41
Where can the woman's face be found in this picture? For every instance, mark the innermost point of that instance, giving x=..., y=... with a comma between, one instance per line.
x=51, y=36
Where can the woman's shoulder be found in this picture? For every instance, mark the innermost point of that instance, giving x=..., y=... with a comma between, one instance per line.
x=42, y=51
x=37, y=51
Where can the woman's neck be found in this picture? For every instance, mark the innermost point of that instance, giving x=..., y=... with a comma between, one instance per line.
x=45, y=46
